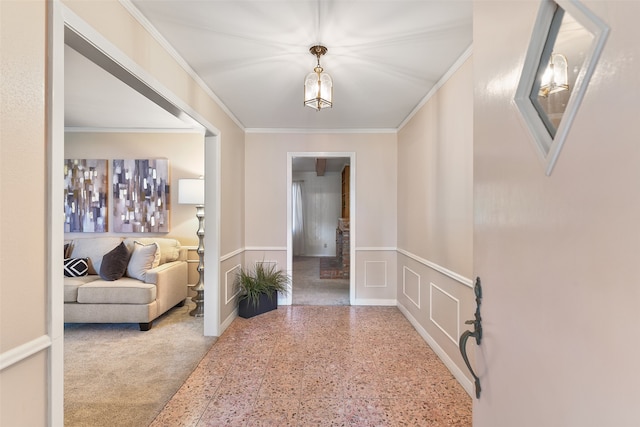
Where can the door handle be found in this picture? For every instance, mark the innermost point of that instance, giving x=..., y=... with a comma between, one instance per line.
x=476, y=333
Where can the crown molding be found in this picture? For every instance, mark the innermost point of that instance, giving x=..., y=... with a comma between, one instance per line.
x=320, y=131
x=450, y=72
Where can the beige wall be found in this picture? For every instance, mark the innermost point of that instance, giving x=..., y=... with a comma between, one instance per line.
x=185, y=152
x=24, y=307
x=558, y=255
x=375, y=189
x=266, y=184
x=435, y=218
x=435, y=176
x=23, y=211
x=232, y=230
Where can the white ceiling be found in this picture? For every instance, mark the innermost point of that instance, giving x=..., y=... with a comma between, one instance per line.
x=384, y=57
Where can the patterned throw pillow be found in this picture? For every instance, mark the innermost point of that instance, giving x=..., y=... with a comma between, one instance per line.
x=76, y=267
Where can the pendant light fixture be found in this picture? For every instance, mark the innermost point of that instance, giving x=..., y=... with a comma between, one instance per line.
x=318, y=85
x=554, y=78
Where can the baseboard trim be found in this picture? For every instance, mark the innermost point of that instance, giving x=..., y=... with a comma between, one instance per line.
x=28, y=349
x=381, y=302
x=265, y=248
x=449, y=363
x=227, y=322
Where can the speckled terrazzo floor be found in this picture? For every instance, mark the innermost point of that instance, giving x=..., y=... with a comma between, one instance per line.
x=320, y=366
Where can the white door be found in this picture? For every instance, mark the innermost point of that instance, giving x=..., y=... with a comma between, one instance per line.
x=558, y=255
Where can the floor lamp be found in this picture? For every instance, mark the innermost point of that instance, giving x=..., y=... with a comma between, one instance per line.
x=191, y=192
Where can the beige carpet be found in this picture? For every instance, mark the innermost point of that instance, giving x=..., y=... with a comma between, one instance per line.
x=116, y=375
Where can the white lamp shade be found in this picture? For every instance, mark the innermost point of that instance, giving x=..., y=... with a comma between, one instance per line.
x=191, y=191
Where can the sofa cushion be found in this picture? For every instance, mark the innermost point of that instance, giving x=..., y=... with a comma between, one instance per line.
x=169, y=248
x=114, y=263
x=76, y=267
x=93, y=248
x=143, y=258
x=71, y=285
x=122, y=291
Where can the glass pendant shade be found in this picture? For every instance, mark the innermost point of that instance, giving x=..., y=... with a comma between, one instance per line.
x=318, y=90
x=555, y=78
x=318, y=85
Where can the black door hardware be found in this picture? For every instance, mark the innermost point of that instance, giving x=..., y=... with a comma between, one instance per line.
x=476, y=333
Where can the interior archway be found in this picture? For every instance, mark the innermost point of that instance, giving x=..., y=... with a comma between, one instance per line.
x=68, y=28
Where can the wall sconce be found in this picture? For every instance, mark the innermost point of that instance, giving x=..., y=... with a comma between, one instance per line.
x=191, y=192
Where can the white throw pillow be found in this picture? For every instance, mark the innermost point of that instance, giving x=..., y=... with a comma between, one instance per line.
x=169, y=248
x=143, y=258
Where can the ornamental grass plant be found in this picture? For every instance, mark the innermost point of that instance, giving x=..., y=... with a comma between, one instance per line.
x=261, y=279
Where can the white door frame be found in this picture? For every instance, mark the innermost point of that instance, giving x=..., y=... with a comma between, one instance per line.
x=352, y=214
x=62, y=18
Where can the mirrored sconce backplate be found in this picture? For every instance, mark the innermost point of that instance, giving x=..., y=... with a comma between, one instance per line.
x=564, y=49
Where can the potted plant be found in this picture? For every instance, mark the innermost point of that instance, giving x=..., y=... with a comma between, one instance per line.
x=258, y=288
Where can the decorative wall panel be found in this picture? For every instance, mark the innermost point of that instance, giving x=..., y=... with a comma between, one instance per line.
x=375, y=274
x=141, y=196
x=444, y=312
x=230, y=290
x=411, y=285
x=85, y=195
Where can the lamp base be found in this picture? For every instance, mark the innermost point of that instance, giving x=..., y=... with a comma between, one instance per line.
x=199, y=300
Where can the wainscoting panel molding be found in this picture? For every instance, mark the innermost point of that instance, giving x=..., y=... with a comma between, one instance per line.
x=229, y=282
x=230, y=254
x=444, y=312
x=411, y=285
x=375, y=274
x=458, y=277
x=24, y=351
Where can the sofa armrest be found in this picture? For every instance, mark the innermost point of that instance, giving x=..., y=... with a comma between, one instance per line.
x=172, y=271
x=171, y=283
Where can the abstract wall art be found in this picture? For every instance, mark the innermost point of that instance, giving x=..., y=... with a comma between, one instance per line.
x=85, y=195
x=141, y=196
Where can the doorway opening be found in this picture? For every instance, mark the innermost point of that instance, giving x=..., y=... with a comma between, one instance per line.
x=319, y=249
x=70, y=31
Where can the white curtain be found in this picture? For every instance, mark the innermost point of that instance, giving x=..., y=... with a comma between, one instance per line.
x=298, y=218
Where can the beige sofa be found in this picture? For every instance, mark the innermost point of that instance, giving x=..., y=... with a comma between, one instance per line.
x=154, y=280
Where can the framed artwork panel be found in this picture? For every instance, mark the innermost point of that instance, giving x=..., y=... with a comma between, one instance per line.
x=141, y=196
x=86, y=201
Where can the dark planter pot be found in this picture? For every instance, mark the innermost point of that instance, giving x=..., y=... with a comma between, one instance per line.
x=247, y=309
